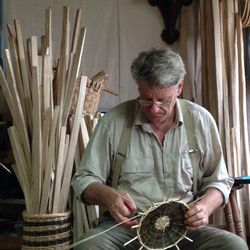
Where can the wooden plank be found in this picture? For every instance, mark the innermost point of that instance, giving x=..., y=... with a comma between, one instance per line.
x=64, y=58
x=59, y=170
x=73, y=76
x=49, y=163
x=76, y=31
x=73, y=141
x=48, y=31
x=36, y=141
x=49, y=53
x=84, y=133
x=46, y=83
x=46, y=128
x=16, y=68
x=81, y=224
x=18, y=116
x=24, y=70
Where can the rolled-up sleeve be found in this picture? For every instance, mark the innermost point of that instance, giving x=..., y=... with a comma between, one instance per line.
x=212, y=170
x=94, y=168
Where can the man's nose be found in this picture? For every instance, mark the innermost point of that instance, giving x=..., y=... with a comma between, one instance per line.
x=154, y=108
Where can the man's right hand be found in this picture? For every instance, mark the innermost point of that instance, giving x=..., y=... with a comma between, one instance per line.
x=119, y=203
x=121, y=206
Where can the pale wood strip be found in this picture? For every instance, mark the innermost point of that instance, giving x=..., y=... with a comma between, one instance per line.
x=48, y=31
x=59, y=170
x=34, y=51
x=50, y=161
x=16, y=68
x=64, y=58
x=24, y=70
x=89, y=123
x=76, y=31
x=81, y=224
x=73, y=141
x=83, y=135
x=49, y=53
x=18, y=117
x=75, y=39
x=79, y=144
x=46, y=128
x=66, y=150
x=46, y=83
x=36, y=141
x=73, y=76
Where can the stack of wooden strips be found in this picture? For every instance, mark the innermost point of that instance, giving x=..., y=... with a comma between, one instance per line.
x=39, y=97
x=85, y=216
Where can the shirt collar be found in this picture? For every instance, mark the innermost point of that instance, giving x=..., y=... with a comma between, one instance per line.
x=178, y=114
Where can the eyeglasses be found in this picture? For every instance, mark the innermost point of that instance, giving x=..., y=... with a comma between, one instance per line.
x=148, y=103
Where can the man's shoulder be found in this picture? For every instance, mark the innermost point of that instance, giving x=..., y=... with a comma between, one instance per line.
x=194, y=108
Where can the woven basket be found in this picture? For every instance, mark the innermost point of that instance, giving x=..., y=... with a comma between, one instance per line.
x=92, y=97
x=94, y=88
x=46, y=231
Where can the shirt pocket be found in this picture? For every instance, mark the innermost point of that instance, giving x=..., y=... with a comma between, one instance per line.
x=138, y=175
x=190, y=161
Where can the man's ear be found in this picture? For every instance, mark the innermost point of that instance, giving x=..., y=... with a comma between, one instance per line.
x=179, y=88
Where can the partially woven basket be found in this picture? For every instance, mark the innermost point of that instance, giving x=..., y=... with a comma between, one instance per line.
x=47, y=231
x=94, y=88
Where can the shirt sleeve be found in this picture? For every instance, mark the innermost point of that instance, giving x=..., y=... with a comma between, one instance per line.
x=212, y=170
x=94, y=168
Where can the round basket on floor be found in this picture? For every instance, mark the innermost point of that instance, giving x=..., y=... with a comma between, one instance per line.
x=46, y=231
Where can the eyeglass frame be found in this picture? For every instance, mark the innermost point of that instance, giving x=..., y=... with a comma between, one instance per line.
x=148, y=103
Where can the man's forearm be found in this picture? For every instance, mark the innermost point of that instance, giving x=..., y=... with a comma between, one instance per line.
x=96, y=194
x=213, y=199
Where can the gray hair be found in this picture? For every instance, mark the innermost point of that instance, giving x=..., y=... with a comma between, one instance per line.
x=158, y=66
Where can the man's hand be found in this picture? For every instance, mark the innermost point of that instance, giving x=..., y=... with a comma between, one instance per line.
x=198, y=215
x=120, y=204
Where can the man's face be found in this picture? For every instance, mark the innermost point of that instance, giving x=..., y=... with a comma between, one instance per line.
x=158, y=103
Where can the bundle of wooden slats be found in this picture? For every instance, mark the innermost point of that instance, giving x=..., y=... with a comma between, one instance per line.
x=39, y=98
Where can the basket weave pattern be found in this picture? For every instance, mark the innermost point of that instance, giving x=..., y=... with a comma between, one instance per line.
x=46, y=231
x=92, y=97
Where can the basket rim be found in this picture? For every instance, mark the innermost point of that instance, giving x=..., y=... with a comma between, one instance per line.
x=30, y=215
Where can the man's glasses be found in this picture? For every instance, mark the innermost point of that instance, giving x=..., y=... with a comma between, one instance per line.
x=148, y=103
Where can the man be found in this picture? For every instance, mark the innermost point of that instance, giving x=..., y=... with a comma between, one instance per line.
x=172, y=151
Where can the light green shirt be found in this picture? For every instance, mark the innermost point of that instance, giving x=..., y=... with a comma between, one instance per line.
x=152, y=172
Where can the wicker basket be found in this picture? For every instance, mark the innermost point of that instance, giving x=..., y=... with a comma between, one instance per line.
x=46, y=231
x=94, y=88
